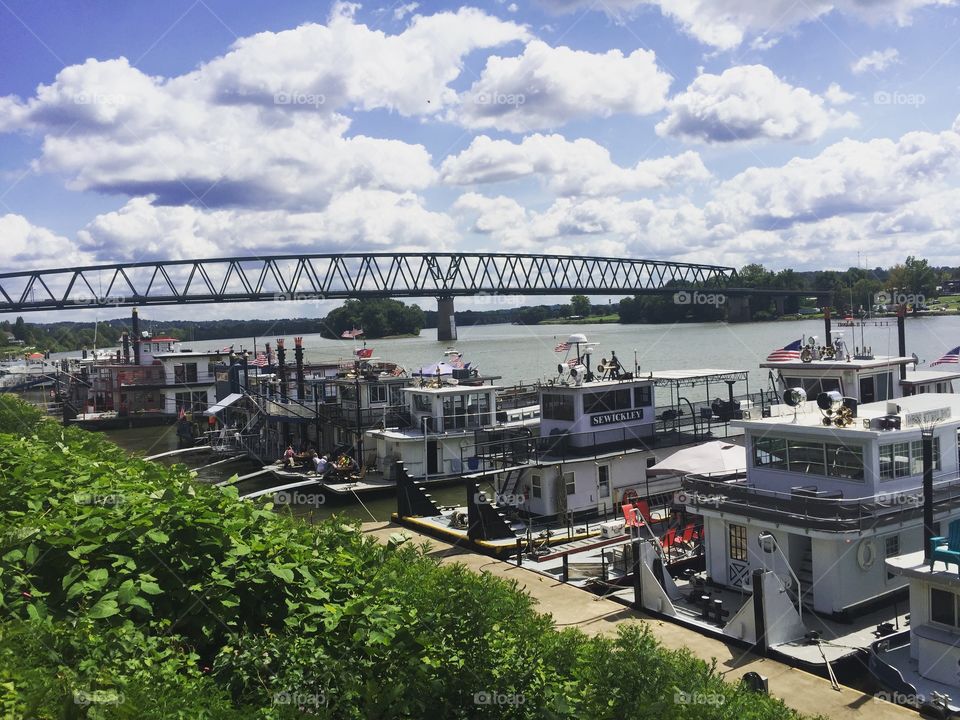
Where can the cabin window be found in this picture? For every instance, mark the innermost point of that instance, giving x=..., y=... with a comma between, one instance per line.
x=894, y=461
x=916, y=456
x=557, y=407
x=813, y=386
x=806, y=457
x=876, y=387
x=570, y=483
x=844, y=461
x=603, y=481
x=892, y=545
x=943, y=607
x=536, y=486
x=454, y=412
x=422, y=403
x=642, y=396
x=738, y=542
x=770, y=453
x=378, y=393
x=606, y=401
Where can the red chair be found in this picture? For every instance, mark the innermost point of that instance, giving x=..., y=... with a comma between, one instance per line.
x=630, y=515
x=644, y=507
x=688, y=533
x=669, y=539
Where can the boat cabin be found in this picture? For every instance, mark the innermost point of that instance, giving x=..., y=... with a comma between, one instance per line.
x=839, y=487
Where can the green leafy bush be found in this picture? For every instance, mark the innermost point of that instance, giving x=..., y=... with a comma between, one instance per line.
x=128, y=590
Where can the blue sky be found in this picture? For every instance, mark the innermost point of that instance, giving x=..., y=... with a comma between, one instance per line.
x=726, y=131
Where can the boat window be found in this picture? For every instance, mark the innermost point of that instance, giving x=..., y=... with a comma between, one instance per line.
x=883, y=386
x=536, y=486
x=569, y=482
x=868, y=393
x=348, y=393
x=770, y=453
x=813, y=386
x=844, y=461
x=642, y=396
x=916, y=456
x=378, y=393
x=606, y=401
x=894, y=461
x=603, y=480
x=891, y=545
x=557, y=406
x=738, y=542
x=806, y=457
x=422, y=403
x=943, y=607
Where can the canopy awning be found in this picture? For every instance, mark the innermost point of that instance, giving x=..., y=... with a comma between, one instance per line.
x=225, y=402
x=716, y=457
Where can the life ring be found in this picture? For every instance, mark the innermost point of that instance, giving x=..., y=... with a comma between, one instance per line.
x=629, y=496
x=866, y=554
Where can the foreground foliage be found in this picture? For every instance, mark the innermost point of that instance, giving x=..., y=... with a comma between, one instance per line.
x=128, y=591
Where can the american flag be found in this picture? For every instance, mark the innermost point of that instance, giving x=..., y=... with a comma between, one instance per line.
x=259, y=361
x=364, y=353
x=351, y=334
x=951, y=357
x=398, y=371
x=562, y=347
x=573, y=362
x=455, y=360
x=789, y=352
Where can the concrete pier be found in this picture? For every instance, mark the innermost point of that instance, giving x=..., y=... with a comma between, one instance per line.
x=572, y=607
x=446, y=322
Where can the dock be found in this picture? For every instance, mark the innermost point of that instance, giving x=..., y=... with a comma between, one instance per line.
x=573, y=607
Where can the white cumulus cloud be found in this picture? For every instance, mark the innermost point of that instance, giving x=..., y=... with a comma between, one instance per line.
x=725, y=23
x=749, y=102
x=578, y=167
x=546, y=87
x=876, y=61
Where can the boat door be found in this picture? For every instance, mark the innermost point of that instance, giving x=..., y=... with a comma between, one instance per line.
x=432, y=457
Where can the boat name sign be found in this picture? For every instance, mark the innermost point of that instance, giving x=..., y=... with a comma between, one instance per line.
x=616, y=417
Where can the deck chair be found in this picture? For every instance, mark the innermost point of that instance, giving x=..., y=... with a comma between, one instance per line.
x=630, y=515
x=669, y=538
x=947, y=549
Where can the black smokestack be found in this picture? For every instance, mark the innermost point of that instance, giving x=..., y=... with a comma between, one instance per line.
x=135, y=329
x=125, y=338
x=828, y=341
x=282, y=368
x=298, y=356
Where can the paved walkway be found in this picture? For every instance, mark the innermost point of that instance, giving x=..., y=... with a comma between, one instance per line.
x=571, y=606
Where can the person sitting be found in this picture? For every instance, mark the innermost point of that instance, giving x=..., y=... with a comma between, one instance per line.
x=288, y=456
x=321, y=465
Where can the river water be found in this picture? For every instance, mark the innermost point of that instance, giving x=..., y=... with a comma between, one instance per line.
x=524, y=354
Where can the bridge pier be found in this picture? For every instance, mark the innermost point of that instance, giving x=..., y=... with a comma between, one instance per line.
x=738, y=309
x=446, y=322
x=780, y=303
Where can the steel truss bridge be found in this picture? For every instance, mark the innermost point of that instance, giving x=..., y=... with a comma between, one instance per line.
x=337, y=276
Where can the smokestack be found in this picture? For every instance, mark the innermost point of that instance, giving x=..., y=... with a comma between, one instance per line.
x=902, y=337
x=828, y=341
x=135, y=329
x=246, y=373
x=282, y=368
x=125, y=338
x=83, y=353
x=298, y=356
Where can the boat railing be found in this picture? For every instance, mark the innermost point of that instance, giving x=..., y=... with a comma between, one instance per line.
x=808, y=506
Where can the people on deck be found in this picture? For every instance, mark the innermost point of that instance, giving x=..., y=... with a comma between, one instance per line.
x=288, y=456
x=320, y=464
